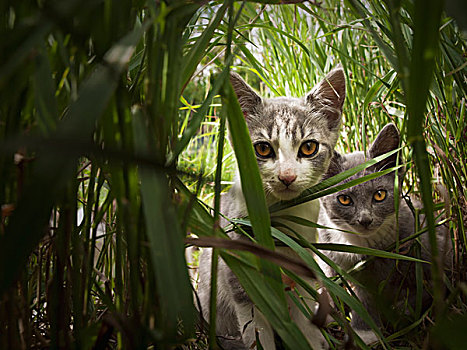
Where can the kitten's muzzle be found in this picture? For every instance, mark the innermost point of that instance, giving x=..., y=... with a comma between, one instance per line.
x=365, y=221
x=287, y=178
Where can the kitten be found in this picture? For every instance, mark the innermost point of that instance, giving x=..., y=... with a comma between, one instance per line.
x=368, y=210
x=293, y=139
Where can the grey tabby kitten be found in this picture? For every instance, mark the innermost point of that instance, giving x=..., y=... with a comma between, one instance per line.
x=294, y=140
x=368, y=211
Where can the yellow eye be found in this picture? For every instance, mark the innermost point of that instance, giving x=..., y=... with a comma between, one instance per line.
x=380, y=195
x=344, y=200
x=308, y=149
x=264, y=150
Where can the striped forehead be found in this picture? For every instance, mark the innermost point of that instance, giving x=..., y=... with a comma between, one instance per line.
x=285, y=130
x=284, y=123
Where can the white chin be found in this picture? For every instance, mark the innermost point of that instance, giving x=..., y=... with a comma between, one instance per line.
x=286, y=194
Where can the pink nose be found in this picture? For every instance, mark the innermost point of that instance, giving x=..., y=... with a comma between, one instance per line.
x=287, y=179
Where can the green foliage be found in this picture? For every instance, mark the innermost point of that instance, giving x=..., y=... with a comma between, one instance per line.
x=112, y=152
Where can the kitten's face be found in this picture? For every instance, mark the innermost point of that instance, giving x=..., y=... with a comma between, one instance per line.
x=293, y=149
x=367, y=207
x=363, y=208
x=293, y=138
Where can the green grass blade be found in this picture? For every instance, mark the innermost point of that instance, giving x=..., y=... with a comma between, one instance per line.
x=252, y=185
x=365, y=251
x=45, y=94
x=37, y=34
x=198, y=50
x=198, y=117
x=323, y=189
x=165, y=240
x=256, y=285
x=331, y=286
x=426, y=42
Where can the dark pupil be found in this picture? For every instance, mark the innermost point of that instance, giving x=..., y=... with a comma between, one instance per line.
x=308, y=146
x=264, y=148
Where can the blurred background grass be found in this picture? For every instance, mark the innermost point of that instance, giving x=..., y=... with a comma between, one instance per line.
x=109, y=124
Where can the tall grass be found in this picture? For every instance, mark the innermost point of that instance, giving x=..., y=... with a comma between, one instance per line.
x=112, y=152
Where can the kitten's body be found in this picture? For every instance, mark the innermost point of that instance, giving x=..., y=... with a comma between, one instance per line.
x=375, y=225
x=285, y=124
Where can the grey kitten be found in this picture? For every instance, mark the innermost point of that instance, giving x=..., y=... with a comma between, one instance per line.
x=368, y=210
x=293, y=139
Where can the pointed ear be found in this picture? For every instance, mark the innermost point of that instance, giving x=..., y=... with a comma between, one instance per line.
x=329, y=95
x=248, y=99
x=335, y=166
x=386, y=141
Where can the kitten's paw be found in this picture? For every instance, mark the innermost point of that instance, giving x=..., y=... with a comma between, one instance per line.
x=367, y=336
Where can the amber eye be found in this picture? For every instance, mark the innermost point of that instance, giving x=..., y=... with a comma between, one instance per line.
x=344, y=200
x=308, y=149
x=380, y=195
x=264, y=150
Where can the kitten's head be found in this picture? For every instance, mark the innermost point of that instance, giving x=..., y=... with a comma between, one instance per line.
x=293, y=138
x=366, y=207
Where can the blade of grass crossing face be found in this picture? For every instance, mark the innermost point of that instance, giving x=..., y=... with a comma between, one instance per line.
x=251, y=182
x=336, y=246
x=252, y=185
x=310, y=194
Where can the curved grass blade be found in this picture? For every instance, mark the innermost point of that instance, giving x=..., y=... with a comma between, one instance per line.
x=344, y=247
x=341, y=247
x=324, y=188
x=280, y=259
x=366, y=251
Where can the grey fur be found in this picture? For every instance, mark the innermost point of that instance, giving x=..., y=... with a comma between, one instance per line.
x=376, y=227
x=285, y=123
